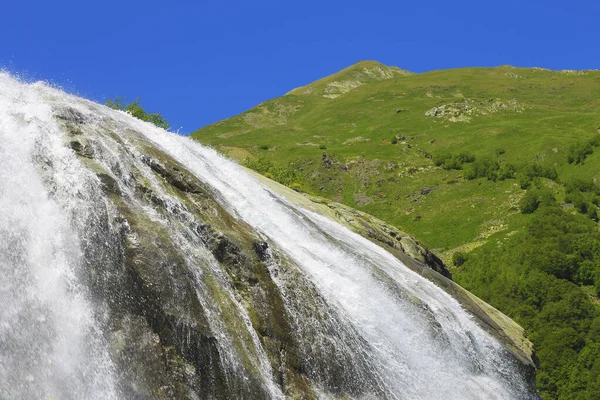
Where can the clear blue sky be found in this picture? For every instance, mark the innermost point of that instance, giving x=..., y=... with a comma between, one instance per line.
x=197, y=62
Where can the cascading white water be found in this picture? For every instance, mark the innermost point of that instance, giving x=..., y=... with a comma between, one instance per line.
x=354, y=274
x=51, y=342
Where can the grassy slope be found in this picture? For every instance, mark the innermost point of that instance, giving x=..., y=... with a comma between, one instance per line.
x=554, y=110
x=542, y=269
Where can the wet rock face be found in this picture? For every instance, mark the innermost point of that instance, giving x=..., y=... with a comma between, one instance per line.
x=260, y=248
x=160, y=337
x=70, y=114
x=174, y=175
x=81, y=148
x=163, y=295
x=194, y=303
x=161, y=331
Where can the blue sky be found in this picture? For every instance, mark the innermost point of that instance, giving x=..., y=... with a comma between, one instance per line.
x=199, y=62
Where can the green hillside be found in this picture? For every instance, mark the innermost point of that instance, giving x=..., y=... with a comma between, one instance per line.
x=494, y=169
x=371, y=122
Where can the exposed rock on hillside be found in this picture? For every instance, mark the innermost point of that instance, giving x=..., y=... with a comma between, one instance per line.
x=465, y=109
x=335, y=89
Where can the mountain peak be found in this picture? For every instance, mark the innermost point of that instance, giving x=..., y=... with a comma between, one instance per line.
x=350, y=78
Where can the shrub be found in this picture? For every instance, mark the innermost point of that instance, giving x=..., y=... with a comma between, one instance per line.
x=491, y=169
x=322, y=147
x=459, y=258
x=507, y=171
x=135, y=109
x=439, y=159
x=538, y=170
x=579, y=152
x=524, y=182
x=453, y=161
x=529, y=203
x=531, y=171
x=592, y=213
x=484, y=168
x=595, y=141
x=581, y=206
x=581, y=185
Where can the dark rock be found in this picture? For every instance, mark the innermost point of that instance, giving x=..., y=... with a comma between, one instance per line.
x=81, y=149
x=260, y=248
x=71, y=115
x=426, y=190
x=424, y=153
x=109, y=183
x=326, y=161
x=223, y=248
x=175, y=176
x=436, y=264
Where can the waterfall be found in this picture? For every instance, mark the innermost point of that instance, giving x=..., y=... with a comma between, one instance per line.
x=49, y=342
x=108, y=271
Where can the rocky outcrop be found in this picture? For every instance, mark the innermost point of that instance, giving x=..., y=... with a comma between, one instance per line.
x=419, y=259
x=464, y=110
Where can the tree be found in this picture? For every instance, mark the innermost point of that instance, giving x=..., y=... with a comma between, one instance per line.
x=535, y=276
x=579, y=152
x=134, y=108
x=529, y=203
